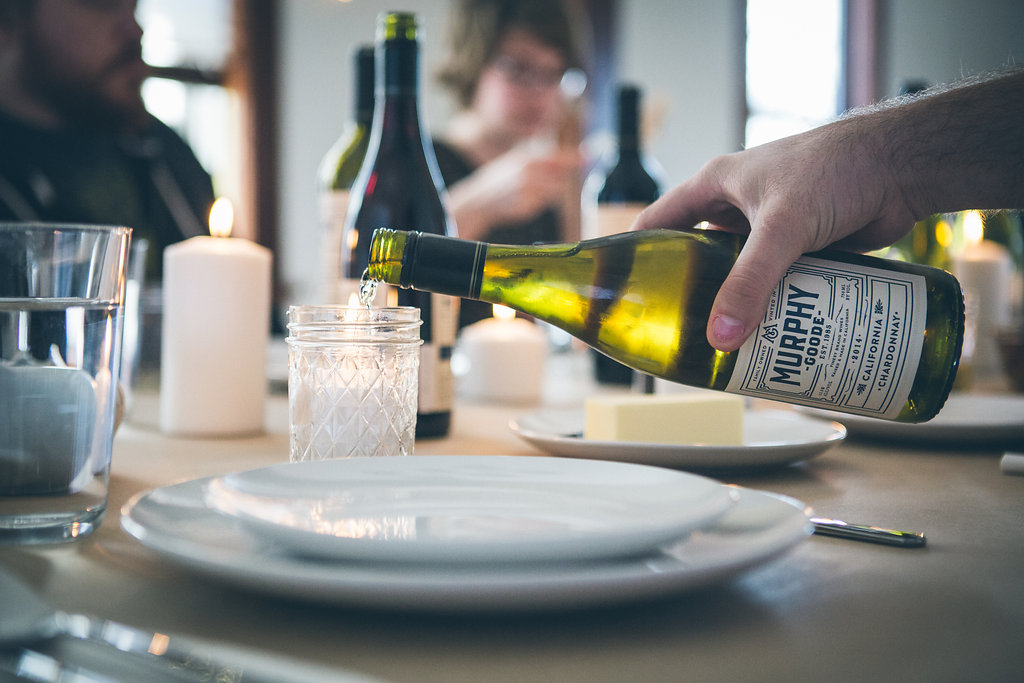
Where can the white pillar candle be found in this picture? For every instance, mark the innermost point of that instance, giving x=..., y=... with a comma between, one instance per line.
x=505, y=357
x=216, y=326
x=985, y=271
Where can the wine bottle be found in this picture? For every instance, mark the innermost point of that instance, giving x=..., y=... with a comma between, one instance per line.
x=843, y=331
x=399, y=185
x=929, y=242
x=338, y=171
x=633, y=181
x=624, y=191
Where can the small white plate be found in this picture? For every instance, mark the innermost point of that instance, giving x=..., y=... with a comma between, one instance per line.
x=175, y=522
x=770, y=438
x=458, y=509
x=966, y=419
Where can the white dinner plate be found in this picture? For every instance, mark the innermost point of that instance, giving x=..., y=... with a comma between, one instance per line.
x=965, y=419
x=176, y=523
x=770, y=438
x=457, y=509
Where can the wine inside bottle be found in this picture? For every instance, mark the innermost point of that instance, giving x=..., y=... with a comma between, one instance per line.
x=399, y=185
x=843, y=331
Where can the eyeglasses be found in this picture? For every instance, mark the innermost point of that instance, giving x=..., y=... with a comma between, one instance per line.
x=527, y=75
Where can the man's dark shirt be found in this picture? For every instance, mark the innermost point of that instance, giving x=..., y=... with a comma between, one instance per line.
x=149, y=181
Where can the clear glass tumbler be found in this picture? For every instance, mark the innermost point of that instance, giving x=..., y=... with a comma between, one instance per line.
x=62, y=290
x=352, y=381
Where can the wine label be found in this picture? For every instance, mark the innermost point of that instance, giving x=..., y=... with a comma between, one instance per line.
x=436, y=381
x=615, y=218
x=837, y=336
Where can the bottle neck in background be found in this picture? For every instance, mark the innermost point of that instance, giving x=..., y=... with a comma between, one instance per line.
x=365, y=86
x=397, y=90
x=398, y=68
x=629, y=122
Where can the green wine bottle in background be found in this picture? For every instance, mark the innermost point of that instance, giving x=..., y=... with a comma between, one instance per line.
x=338, y=171
x=400, y=186
x=930, y=242
x=843, y=331
x=628, y=187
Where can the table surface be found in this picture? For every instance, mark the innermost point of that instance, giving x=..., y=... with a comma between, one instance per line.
x=831, y=609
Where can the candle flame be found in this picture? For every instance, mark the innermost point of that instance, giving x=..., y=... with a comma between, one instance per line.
x=222, y=216
x=974, y=228
x=944, y=234
x=353, y=299
x=503, y=312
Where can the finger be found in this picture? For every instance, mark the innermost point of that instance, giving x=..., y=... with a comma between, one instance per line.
x=680, y=207
x=743, y=298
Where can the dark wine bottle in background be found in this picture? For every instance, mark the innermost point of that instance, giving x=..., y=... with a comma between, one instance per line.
x=843, y=331
x=338, y=171
x=632, y=183
x=400, y=186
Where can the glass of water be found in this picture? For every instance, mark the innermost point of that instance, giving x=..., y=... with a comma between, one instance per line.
x=352, y=381
x=62, y=291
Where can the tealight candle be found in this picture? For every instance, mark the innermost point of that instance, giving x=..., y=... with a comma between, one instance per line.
x=985, y=271
x=505, y=357
x=216, y=325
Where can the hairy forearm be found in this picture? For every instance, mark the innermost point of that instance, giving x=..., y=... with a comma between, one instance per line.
x=958, y=147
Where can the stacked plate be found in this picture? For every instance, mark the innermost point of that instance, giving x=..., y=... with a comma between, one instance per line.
x=466, y=532
x=972, y=421
x=771, y=438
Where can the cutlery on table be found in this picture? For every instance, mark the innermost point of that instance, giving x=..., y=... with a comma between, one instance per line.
x=40, y=643
x=872, y=534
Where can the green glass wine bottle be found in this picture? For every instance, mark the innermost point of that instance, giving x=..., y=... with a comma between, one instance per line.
x=338, y=171
x=843, y=331
x=630, y=184
x=400, y=186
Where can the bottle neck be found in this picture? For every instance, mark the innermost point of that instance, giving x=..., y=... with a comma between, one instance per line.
x=397, y=89
x=434, y=263
x=629, y=122
x=398, y=63
x=365, y=86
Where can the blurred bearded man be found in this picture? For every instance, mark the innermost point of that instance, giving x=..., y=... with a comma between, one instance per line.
x=76, y=141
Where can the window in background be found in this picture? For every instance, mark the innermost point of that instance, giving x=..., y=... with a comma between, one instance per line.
x=187, y=43
x=794, y=66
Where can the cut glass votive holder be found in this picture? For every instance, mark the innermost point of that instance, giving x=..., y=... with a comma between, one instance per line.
x=352, y=381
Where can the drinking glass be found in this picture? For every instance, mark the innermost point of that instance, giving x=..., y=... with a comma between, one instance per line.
x=352, y=381
x=62, y=291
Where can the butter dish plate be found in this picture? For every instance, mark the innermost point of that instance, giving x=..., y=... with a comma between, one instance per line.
x=459, y=509
x=973, y=420
x=176, y=523
x=771, y=438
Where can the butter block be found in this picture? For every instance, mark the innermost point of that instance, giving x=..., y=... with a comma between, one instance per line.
x=707, y=418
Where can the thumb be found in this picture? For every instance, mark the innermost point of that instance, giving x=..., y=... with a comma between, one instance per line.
x=743, y=297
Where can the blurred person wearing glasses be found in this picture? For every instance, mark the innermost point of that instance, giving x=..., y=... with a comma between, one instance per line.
x=76, y=141
x=510, y=167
